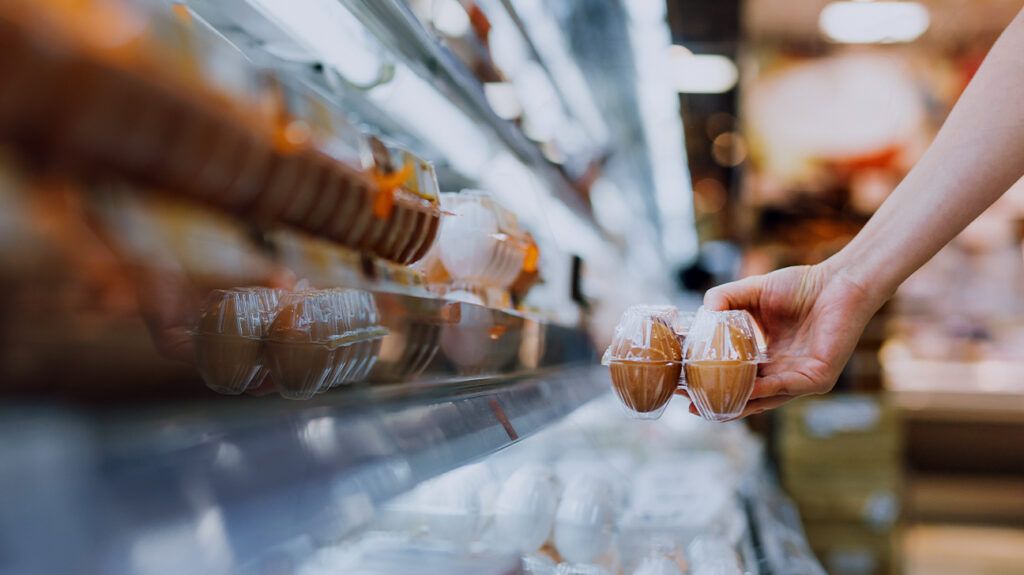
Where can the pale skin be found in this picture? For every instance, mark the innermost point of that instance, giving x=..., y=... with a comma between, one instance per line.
x=814, y=315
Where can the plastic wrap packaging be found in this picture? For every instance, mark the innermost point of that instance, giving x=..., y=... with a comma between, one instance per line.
x=709, y=555
x=645, y=359
x=321, y=339
x=581, y=569
x=525, y=509
x=658, y=565
x=538, y=564
x=402, y=218
x=414, y=337
x=385, y=554
x=449, y=508
x=481, y=243
x=721, y=354
x=585, y=519
x=482, y=342
x=286, y=191
x=334, y=153
x=228, y=338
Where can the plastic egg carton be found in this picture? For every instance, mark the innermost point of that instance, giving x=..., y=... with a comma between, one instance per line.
x=307, y=341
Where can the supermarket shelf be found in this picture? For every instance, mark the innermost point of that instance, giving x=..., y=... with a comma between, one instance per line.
x=394, y=23
x=966, y=405
x=136, y=486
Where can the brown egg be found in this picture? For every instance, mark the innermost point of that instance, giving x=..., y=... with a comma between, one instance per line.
x=320, y=339
x=227, y=339
x=300, y=362
x=721, y=366
x=720, y=389
x=644, y=387
x=646, y=380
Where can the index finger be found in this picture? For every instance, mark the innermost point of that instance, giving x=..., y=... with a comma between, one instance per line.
x=740, y=294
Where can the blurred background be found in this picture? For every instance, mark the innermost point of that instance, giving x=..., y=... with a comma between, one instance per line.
x=322, y=286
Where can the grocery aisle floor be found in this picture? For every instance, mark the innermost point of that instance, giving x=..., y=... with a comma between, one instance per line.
x=936, y=549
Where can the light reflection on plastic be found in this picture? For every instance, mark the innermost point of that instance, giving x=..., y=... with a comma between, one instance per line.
x=229, y=457
x=318, y=435
x=159, y=551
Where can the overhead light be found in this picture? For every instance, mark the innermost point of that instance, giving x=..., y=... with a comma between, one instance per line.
x=701, y=73
x=329, y=32
x=873, y=22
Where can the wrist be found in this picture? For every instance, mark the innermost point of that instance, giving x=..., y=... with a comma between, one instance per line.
x=874, y=283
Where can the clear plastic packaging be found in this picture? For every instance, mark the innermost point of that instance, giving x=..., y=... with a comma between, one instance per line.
x=401, y=219
x=581, y=569
x=657, y=564
x=645, y=359
x=585, y=519
x=482, y=342
x=448, y=508
x=413, y=340
x=320, y=339
x=524, y=511
x=538, y=564
x=481, y=243
x=721, y=354
x=228, y=338
x=709, y=555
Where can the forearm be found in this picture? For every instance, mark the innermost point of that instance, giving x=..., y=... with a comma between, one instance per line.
x=977, y=155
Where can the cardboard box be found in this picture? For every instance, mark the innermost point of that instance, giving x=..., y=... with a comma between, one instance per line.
x=850, y=549
x=849, y=430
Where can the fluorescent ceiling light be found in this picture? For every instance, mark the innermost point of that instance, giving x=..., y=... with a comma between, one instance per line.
x=330, y=32
x=701, y=73
x=873, y=22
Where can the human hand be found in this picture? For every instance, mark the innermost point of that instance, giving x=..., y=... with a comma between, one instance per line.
x=812, y=317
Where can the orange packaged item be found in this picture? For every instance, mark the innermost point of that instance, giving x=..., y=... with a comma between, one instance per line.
x=396, y=214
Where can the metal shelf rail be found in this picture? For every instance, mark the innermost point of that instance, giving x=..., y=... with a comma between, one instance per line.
x=189, y=487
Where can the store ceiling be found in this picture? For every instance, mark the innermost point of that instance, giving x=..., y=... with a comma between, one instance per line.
x=952, y=21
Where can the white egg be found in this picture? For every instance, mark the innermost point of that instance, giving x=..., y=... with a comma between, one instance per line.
x=467, y=238
x=585, y=518
x=450, y=506
x=658, y=565
x=525, y=509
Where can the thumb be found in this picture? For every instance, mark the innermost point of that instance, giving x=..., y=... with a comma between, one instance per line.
x=740, y=294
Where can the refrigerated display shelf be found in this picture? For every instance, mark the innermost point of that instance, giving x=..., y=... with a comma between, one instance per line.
x=140, y=120
x=395, y=24
x=216, y=482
